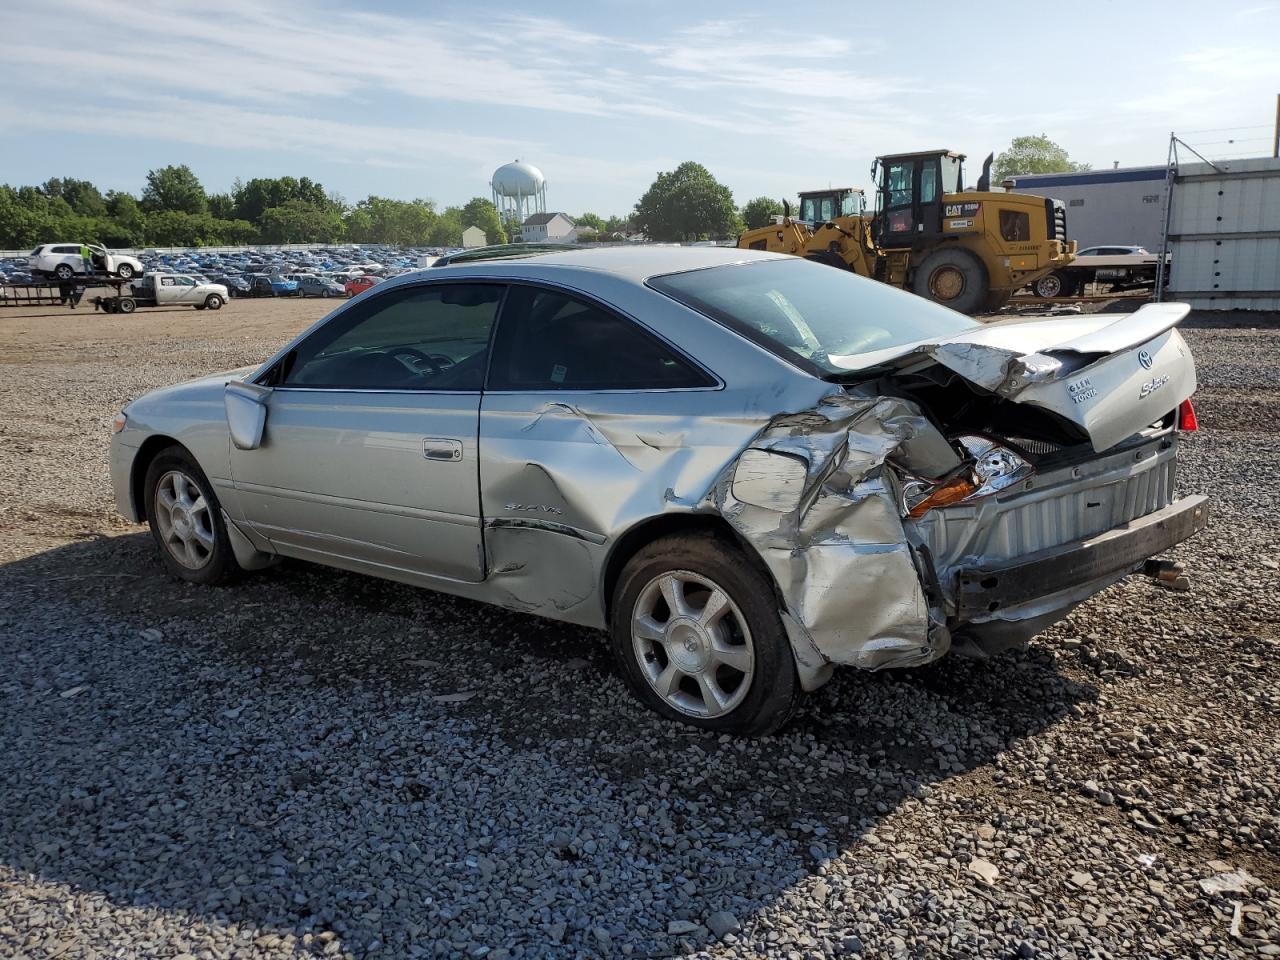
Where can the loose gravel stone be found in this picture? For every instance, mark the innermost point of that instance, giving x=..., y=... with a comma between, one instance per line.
x=283, y=768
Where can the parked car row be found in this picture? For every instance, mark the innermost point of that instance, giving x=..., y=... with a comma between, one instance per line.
x=329, y=272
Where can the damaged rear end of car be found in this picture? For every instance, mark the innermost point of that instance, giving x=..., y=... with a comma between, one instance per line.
x=965, y=491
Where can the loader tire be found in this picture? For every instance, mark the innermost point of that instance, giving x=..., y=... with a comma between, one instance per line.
x=996, y=301
x=954, y=278
x=829, y=258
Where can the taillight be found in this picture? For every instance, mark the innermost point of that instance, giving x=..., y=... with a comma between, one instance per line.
x=1187, y=417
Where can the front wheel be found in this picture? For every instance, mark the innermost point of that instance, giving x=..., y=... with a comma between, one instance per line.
x=954, y=278
x=186, y=520
x=124, y=271
x=696, y=631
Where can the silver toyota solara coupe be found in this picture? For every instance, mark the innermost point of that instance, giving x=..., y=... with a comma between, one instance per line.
x=747, y=468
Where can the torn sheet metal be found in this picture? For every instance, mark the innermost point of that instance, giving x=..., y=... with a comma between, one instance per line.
x=833, y=538
x=1109, y=376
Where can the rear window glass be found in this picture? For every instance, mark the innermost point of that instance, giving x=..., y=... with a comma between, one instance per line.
x=811, y=314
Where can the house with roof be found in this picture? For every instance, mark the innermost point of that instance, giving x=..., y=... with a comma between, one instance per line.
x=549, y=228
x=473, y=237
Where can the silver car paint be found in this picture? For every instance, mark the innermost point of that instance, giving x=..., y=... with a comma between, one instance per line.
x=804, y=472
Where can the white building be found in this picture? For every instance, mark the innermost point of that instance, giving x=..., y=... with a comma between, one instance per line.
x=473, y=237
x=549, y=228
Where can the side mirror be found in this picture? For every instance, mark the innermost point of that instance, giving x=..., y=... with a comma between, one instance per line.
x=246, y=406
x=786, y=209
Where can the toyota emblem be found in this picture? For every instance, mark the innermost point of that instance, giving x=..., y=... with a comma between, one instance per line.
x=1144, y=358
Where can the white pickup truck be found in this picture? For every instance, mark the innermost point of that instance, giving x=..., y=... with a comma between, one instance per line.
x=163, y=290
x=1121, y=268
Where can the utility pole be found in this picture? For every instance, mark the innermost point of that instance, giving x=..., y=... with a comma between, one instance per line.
x=1275, y=148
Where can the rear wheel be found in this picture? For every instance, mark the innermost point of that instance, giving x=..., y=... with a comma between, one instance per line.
x=1055, y=284
x=954, y=278
x=125, y=305
x=64, y=271
x=186, y=520
x=213, y=302
x=696, y=632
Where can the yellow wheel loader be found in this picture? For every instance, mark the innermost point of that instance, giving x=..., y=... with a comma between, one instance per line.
x=968, y=250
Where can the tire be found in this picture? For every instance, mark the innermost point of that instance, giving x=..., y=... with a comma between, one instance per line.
x=954, y=278
x=213, y=302
x=64, y=271
x=754, y=690
x=124, y=271
x=198, y=306
x=1055, y=284
x=125, y=305
x=996, y=302
x=195, y=518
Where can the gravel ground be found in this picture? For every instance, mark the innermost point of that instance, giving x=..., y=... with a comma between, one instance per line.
x=315, y=763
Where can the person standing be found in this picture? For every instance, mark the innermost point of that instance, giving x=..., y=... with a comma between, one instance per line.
x=87, y=256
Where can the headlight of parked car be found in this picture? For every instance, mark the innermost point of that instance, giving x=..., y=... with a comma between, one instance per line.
x=119, y=422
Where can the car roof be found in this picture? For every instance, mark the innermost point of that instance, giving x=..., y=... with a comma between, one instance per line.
x=636, y=263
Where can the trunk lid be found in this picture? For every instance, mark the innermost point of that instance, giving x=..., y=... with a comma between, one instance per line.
x=1110, y=375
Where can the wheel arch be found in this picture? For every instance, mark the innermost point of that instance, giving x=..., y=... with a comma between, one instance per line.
x=646, y=531
x=151, y=448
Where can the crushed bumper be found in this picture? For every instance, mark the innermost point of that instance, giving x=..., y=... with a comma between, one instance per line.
x=986, y=592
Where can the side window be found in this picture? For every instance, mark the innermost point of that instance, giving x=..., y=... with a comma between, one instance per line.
x=551, y=341
x=928, y=183
x=1015, y=225
x=431, y=337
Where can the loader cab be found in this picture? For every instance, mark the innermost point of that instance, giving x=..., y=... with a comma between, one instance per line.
x=822, y=206
x=909, y=196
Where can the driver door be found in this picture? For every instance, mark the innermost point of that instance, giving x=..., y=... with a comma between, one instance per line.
x=369, y=459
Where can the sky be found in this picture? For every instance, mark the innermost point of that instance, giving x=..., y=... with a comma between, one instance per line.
x=413, y=99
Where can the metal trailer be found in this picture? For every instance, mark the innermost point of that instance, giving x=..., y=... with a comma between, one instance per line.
x=54, y=294
x=1223, y=231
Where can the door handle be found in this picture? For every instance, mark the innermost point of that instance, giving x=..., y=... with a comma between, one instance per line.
x=438, y=448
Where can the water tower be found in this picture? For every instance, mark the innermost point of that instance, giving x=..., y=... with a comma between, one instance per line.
x=519, y=190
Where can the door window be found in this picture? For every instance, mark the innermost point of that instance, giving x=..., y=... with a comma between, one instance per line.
x=551, y=341
x=898, y=183
x=928, y=183
x=432, y=337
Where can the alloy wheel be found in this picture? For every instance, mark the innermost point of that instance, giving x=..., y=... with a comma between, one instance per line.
x=184, y=519
x=693, y=644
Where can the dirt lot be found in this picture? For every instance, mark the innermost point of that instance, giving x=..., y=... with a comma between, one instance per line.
x=281, y=768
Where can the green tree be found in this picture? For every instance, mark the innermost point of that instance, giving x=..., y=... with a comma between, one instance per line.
x=447, y=231
x=685, y=204
x=261, y=193
x=222, y=206
x=1033, y=155
x=381, y=220
x=590, y=220
x=481, y=213
x=126, y=214
x=298, y=221
x=174, y=188
x=81, y=195
x=760, y=212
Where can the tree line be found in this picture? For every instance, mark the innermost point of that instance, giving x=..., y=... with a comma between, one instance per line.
x=174, y=210
x=683, y=204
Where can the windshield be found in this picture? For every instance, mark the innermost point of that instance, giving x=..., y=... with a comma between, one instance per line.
x=811, y=314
